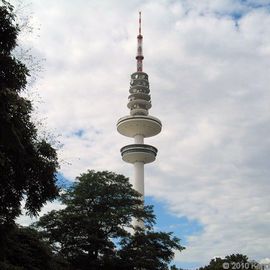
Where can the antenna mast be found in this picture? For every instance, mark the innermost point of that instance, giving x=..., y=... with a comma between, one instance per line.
x=139, y=56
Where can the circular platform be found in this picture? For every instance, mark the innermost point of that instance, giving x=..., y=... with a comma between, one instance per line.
x=138, y=153
x=147, y=126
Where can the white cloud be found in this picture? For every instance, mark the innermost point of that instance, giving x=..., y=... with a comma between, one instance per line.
x=210, y=87
x=265, y=261
x=26, y=220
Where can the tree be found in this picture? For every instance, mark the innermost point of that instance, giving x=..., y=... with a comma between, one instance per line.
x=173, y=267
x=148, y=250
x=25, y=251
x=100, y=207
x=27, y=163
x=234, y=261
x=93, y=227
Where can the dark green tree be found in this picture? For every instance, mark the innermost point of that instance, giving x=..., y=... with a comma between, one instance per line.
x=148, y=250
x=27, y=163
x=25, y=251
x=234, y=261
x=93, y=227
x=99, y=208
x=173, y=267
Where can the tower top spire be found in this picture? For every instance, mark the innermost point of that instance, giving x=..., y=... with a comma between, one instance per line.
x=140, y=22
x=139, y=56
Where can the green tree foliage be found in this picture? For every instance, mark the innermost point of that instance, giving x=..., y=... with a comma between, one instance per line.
x=234, y=261
x=25, y=251
x=173, y=267
x=27, y=163
x=148, y=250
x=99, y=211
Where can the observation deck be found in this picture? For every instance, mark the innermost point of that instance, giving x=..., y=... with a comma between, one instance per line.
x=139, y=153
x=132, y=125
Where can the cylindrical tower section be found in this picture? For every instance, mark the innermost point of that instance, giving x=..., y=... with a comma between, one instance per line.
x=139, y=178
x=139, y=186
x=138, y=139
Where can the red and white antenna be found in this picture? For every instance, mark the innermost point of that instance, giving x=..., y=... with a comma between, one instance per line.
x=140, y=23
x=139, y=56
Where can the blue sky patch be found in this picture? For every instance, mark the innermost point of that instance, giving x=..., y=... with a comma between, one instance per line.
x=255, y=4
x=182, y=227
x=78, y=133
x=62, y=182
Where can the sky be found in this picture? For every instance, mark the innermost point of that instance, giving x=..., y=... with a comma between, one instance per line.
x=208, y=64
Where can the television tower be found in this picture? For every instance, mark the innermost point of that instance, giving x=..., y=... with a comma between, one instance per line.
x=139, y=124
